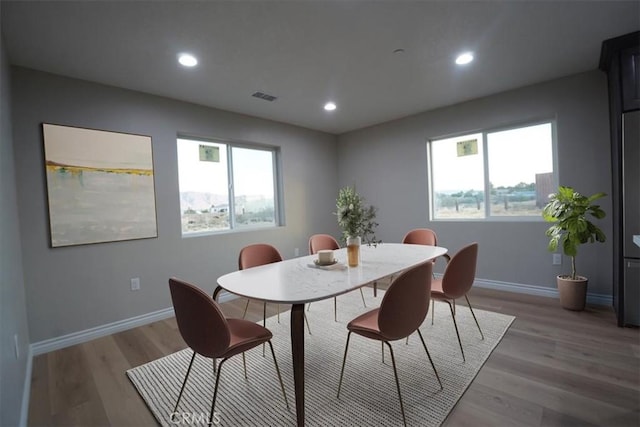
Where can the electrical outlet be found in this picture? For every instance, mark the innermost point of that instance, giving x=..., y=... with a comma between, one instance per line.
x=296, y=252
x=16, y=346
x=135, y=284
x=557, y=259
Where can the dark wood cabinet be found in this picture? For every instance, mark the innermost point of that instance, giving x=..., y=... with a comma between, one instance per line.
x=620, y=59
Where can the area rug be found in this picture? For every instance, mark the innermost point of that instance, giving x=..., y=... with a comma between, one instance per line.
x=368, y=396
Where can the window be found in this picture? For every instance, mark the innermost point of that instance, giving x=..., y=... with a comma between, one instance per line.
x=505, y=173
x=226, y=186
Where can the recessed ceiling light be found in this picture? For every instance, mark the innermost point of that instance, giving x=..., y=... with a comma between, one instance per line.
x=464, y=58
x=187, y=60
x=329, y=106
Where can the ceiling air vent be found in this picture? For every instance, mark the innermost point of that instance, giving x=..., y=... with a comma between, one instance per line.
x=265, y=96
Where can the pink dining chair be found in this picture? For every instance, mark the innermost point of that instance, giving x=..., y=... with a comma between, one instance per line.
x=423, y=236
x=253, y=256
x=456, y=282
x=207, y=332
x=319, y=242
x=401, y=312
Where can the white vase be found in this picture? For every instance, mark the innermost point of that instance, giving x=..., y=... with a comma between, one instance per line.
x=353, y=251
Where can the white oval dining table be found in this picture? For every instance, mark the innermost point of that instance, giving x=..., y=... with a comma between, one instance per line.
x=299, y=281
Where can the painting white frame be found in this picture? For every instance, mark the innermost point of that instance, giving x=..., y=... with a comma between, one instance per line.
x=100, y=185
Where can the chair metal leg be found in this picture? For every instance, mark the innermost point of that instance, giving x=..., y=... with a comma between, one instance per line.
x=382, y=345
x=474, y=316
x=215, y=389
x=363, y=301
x=430, y=360
x=245, y=309
x=278, y=308
x=455, y=324
x=335, y=309
x=433, y=310
x=307, y=322
x=244, y=364
x=344, y=360
x=264, y=322
x=275, y=362
x=395, y=373
x=308, y=306
x=185, y=380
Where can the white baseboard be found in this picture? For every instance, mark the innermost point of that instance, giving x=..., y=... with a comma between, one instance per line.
x=26, y=390
x=595, y=299
x=99, y=331
x=57, y=343
x=79, y=337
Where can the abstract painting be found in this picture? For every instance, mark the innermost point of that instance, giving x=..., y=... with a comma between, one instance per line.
x=100, y=185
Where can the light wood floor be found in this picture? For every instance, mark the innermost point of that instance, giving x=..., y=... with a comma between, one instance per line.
x=554, y=367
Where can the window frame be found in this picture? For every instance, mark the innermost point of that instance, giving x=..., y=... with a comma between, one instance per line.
x=277, y=184
x=485, y=161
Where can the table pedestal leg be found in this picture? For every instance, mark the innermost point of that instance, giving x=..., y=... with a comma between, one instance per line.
x=297, y=351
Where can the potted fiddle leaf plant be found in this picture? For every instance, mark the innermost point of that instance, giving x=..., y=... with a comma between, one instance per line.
x=570, y=212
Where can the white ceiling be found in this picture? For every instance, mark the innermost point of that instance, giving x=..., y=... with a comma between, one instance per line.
x=309, y=52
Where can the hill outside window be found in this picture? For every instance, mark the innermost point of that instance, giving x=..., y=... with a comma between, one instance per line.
x=226, y=186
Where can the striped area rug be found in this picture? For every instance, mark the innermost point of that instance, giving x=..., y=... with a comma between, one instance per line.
x=368, y=396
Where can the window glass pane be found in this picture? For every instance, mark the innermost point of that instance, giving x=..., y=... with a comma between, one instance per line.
x=457, y=177
x=253, y=179
x=520, y=170
x=204, y=186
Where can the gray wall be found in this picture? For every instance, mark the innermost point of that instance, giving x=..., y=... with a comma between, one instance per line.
x=13, y=315
x=75, y=288
x=72, y=289
x=388, y=163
